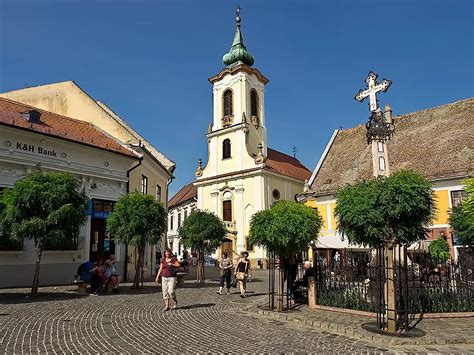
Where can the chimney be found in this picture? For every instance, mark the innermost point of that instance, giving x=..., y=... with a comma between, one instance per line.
x=32, y=116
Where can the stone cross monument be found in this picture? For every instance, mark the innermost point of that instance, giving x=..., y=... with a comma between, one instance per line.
x=380, y=126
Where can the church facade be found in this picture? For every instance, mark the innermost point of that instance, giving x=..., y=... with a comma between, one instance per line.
x=242, y=174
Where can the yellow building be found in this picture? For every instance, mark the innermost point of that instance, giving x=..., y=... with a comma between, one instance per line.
x=151, y=175
x=437, y=143
x=242, y=174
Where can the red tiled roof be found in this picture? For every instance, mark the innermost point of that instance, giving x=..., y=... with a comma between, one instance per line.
x=186, y=193
x=286, y=165
x=59, y=126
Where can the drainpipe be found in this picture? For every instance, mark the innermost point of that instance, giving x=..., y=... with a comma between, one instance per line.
x=128, y=190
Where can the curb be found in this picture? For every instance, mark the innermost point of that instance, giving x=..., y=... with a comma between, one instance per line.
x=356, y=333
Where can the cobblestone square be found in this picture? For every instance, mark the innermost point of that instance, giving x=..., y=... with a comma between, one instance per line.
x=59, y=321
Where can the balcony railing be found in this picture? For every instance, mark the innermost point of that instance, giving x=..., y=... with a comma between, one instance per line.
x=230, y=225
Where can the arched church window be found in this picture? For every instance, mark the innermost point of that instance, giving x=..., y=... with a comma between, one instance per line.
x=254, y=103
x=227, y=210
x=228, y=102
x=226, y=148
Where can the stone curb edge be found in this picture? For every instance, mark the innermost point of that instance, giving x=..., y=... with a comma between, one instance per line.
x=355, y=333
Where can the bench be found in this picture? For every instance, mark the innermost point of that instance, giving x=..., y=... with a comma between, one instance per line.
x=81, y=286
x=180, y=278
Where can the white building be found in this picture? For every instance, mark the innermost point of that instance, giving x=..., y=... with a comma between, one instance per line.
x=31, y=138
x=179, y=208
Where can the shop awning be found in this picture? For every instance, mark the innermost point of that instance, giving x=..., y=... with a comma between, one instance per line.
x=335, y=242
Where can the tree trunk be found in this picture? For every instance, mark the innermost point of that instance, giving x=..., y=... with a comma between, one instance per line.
x=281, y=287
x=200, y=268
x=34, y=288
x=136, y=279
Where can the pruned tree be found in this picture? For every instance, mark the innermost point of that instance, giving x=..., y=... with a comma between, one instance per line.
x=137, y=220
x=461, y=217
x=286, y=228
x=386, y=210
x=203, y=232
x=48, y=208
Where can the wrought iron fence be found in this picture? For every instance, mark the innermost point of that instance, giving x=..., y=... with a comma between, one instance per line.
x=350, y=282
x=421, y=284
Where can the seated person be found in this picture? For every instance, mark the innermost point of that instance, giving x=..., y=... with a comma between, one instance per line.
x=111, y=273
x=84, y=271
x=97, y=278
x=309, y=271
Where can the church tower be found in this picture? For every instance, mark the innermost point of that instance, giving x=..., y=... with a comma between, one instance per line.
x=237, y=132
x=242, y=175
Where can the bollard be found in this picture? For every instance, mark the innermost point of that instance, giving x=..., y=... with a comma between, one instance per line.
x=311, y=292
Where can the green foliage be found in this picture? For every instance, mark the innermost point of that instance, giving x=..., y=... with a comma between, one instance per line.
x=137, y=219
x=346, y=298
x=468, y=203
x=440, y=300
x=45, y=207
x=286, y=228
x=396, y=209
x=202, y=231
x=439, y=249
x=461, y=217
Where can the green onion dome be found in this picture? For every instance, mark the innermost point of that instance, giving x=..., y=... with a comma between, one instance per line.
x=238, y=53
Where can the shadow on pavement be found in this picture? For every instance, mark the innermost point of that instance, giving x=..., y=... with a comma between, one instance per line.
x=198, y=305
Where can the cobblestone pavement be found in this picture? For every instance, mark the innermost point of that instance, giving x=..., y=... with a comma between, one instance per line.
x=59, y=321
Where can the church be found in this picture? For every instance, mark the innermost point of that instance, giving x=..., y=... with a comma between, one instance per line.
x=242, y=175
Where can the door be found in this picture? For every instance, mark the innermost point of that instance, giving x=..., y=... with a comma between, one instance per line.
x=101, y=245
x=226, y=246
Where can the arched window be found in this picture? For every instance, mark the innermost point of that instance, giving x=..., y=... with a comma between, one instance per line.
x=228, y=102
x=254, y=103
x=227, y=210
x=226, y=148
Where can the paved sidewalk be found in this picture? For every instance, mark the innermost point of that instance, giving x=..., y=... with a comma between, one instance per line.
x=434, y=335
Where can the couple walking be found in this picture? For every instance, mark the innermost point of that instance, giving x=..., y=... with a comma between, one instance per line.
x=241, y=272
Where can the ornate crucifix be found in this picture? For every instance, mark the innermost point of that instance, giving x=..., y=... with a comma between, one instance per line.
x=380, y=126
x=372, y=89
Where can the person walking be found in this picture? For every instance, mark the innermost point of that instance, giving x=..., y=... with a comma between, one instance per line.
x=169, y=266
x=241, y=272
x=225, y=273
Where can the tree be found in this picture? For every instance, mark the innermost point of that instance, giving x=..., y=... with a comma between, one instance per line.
x=439, y=249
x=45, y=207
x=461, y=217
x=137, y=220
x=386, y=210
x=286, y=228
x=203, y=232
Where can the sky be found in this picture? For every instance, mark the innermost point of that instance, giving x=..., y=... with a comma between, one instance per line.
x=150, y=60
